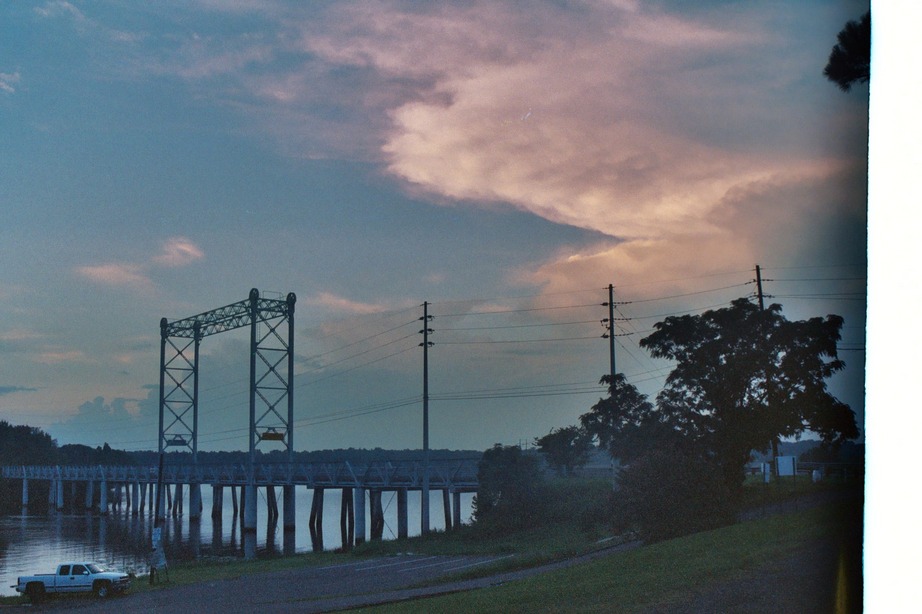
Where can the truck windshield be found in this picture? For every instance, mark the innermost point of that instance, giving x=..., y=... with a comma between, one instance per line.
x=95, y=568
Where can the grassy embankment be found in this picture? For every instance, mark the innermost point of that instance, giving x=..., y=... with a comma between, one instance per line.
x=649, y=577
x=666, y=569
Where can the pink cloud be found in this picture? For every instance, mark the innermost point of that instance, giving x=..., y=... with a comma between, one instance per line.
x=178, y=251
x=618, y=117
x=604, y=118
x=116, y=274
x=343, y=305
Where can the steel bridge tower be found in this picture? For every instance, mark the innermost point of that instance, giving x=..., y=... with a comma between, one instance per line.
x=271, y=385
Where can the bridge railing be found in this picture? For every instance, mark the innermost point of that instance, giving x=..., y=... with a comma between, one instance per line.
x=453, y=474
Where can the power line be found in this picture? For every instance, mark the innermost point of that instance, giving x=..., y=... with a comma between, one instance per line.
x=523, y=310
x=509, y=341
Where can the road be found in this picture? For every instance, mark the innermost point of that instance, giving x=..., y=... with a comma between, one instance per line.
x=316, y=589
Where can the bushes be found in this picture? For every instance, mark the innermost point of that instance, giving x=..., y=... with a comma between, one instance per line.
x=663, y=494
x=514, y=495
x=510, y=496
x=668, y=494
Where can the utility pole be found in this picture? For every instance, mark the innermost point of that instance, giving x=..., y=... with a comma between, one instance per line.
x=761, y=296
x=426, y=344
x=609, y=323
x=759, y=286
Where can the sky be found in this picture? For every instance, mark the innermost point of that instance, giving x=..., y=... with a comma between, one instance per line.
x=502, y=161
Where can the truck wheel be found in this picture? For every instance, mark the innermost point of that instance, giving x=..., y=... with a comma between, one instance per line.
x=36, y=592
x=101, y=589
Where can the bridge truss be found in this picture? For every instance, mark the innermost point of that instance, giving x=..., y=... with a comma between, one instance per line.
x=271, y=323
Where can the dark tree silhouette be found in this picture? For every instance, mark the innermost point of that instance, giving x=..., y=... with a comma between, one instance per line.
x=565, y=448
x=850, y=59
x=509, y=492
x=745, y=376
x=625, y=423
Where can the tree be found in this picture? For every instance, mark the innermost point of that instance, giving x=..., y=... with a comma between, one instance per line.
x=565, y=448
x=850, y=59
x=22, y=445
x=625, y=423
x=669, y=493
x=509, y=489
x=745, y=377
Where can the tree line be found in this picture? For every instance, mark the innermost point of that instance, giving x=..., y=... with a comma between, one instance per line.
x=744, y=377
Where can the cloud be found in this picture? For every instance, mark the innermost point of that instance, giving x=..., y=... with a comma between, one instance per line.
x=117, y=274
x=129, y=423
x=52, y=357
x=638, y=121
x=625, y=120
x=177, y=252
x=60, y=9
x=8, y=81
x=12, y=389
x=343, y=305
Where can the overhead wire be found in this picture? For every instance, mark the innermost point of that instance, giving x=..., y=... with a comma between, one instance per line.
x=626, y=339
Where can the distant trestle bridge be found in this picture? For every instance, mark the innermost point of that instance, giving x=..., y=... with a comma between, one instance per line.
x=271, y=422
x=131, y=489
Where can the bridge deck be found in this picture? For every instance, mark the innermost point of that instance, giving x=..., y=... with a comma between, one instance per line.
x=460, y=476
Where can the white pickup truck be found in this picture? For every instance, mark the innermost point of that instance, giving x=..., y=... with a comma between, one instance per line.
x=74, y=578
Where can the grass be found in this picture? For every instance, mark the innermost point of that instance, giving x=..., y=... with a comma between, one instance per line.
x=645, y=578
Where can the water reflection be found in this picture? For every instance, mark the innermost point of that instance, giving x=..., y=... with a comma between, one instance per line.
x=36, y=544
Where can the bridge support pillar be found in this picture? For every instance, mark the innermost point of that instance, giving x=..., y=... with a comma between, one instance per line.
x=347, y=520
x=446, y=508
x=402, y=517
x=59, y=495
x=358, y=504
x=288, y=507
x=315, y=523
x=217, y=502
x=272, y=505
x=73, y=495
x=195, y=501
x=25, y=494
x=377, y=516
x=142, y=491
x=243, y=505
x=177, y=500
x=135, y=498
x=103, y=497
x=456, y=508
x=88, y=501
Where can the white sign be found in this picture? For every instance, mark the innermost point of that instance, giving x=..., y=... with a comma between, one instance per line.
x=787, y=465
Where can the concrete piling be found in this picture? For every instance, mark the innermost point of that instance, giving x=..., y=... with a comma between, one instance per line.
x=25, y=494
x=88, y=496
x=315, y=522
x=358, y=504
x=402, y=520
x=217, y=502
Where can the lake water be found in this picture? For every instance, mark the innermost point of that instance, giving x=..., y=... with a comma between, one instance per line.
x=36, y=544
